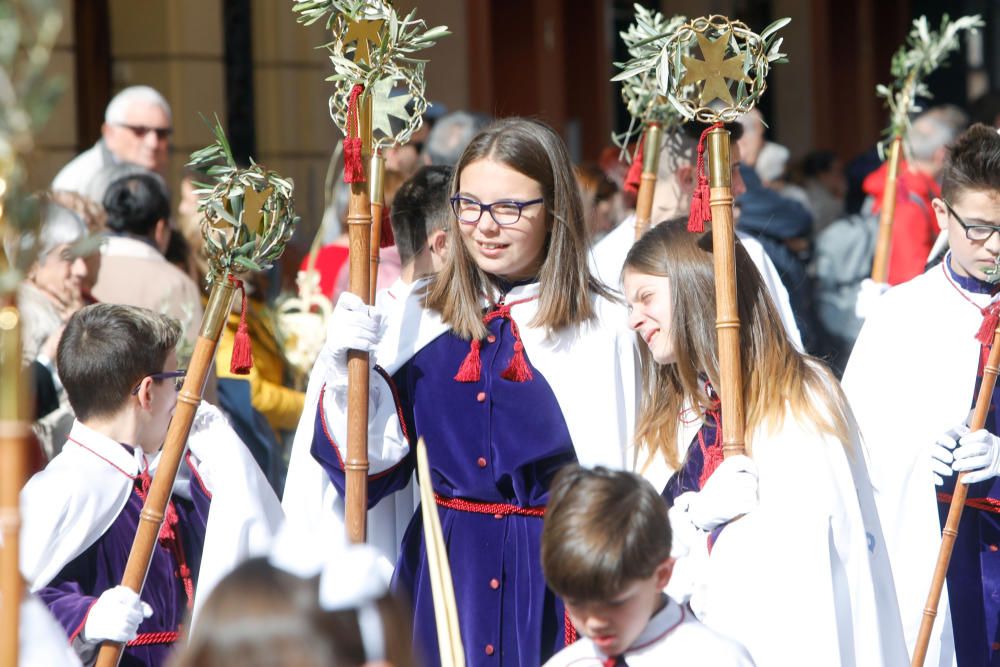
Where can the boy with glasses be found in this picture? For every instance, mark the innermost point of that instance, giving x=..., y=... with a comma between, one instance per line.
x=81, y=513
x=912, y=378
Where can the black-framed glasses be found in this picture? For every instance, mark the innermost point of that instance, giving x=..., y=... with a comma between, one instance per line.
x=176, y=376
x=162, y=133
x=977, y=233
x=504, y=212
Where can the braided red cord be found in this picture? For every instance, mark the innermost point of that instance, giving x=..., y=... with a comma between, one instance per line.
x=151, y=638
x=503, y=509
x=518, y=369
x=570, y=635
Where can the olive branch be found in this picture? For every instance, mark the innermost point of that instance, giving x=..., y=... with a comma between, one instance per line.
x=392, y=63
x=923, y=52
x=652, y=81
x=759, y=51
x=640, y=90
x=248, y=214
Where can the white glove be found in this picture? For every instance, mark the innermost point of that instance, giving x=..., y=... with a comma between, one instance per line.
x=942, y=452
x=353, y=326
x=868, y=297
x=730, y=492
x=978, y=455
x=116, y=616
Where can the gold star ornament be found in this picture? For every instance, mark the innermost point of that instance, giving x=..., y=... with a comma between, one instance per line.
x=715, y=70
x=364, y=33
x=253, y=207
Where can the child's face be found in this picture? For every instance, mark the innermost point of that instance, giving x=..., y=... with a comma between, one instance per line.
x=651, y=312
x=974, y=207
x=513, y=251
x=613, y=625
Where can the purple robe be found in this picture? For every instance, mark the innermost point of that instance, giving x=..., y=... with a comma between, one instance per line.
x=70, y=595
x=489, y=441
x=974, y=572
x=702, y=458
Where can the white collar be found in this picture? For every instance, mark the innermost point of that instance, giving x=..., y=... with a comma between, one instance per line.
x=100, y=445
x=660, y=625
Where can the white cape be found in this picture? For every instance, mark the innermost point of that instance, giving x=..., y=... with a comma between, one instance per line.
x=72, y=502
x=910, y=378
x=592, y=370
x=806, y=573
x=607, y=258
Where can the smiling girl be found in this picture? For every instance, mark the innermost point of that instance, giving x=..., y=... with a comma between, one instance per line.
x=795, y=564
x=506, y=365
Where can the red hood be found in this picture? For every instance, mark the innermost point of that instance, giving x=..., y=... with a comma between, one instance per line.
x=923, y=185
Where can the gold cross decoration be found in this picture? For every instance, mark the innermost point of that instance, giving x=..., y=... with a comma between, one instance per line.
x=253, y=207
x=714, y=70
x=364, y=33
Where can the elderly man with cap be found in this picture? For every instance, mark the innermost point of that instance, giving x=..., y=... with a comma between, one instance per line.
x=137, y=128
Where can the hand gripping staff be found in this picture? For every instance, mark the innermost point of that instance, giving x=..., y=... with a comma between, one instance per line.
x=381, y=46
x=248, y=219
x=949, y=533
x=923, y=52
x=730, y=53
x=29, y=95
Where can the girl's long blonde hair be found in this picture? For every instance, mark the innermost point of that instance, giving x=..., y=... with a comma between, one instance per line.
x=777, y=378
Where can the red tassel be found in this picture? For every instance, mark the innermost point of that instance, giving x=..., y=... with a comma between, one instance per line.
x=353, y=167
x=387, y=239
x=242, y=359
x=354, y=171
x=634, y=176
x=471, y=366
x=701, y=208
x=991, y=317
x=518, y=370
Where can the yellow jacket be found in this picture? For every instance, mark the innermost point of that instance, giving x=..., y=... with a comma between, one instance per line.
x=280, y=405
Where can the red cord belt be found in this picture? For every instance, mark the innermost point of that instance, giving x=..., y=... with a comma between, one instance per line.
x=983, y=504
x=151, y=638
x=496, y=509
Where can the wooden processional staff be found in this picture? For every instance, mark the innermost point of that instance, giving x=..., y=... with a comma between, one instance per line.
x=923, y=52
x=248, y=220
x=29, y=96
x=15, y=439
x=372, y=55
x=730, y=52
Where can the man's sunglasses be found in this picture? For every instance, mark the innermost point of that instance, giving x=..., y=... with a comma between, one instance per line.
x=162, y=133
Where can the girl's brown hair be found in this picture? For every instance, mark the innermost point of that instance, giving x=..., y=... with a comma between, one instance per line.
x=535, y=150
x=777, y=378
x=260, y=616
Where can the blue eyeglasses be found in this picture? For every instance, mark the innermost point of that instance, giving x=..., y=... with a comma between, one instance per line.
x=504, y=212
x=176, y=376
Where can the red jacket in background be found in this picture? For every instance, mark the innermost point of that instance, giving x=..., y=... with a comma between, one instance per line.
x=914, y=225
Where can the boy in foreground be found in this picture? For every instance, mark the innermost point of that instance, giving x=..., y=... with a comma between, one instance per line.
x=81, y=513
x=606, y=552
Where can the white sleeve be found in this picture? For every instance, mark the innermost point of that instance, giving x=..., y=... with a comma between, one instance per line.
x=387, y=444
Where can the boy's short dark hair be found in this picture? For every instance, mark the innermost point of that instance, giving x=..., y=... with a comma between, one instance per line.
x=419, y=208
x=106, y=350
x=603, y=529
x=973, y=163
